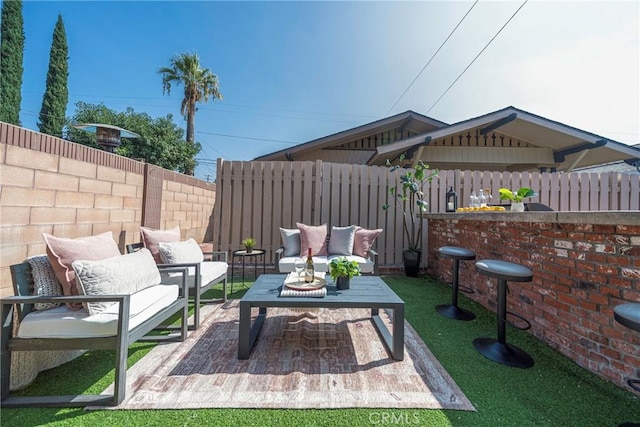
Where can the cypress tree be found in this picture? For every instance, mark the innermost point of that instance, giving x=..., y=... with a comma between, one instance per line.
x=11, y=63
x=56, y=94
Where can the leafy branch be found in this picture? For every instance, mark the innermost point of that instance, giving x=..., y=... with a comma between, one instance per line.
x=410, y=199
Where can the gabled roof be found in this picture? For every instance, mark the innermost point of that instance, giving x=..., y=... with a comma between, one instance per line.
x=567, y=147
x=354, y=133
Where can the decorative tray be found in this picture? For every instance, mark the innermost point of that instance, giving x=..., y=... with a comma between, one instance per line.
x=292, y=282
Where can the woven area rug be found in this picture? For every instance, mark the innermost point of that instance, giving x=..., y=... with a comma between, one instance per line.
x=323, y=359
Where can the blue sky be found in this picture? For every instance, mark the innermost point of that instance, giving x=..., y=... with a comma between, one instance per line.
x=291, y=72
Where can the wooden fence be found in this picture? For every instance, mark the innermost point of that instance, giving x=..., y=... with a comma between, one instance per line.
x=609, y=191
x=256, y=198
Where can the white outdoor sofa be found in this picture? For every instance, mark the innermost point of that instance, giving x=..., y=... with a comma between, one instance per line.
x=201, y=276
x=339, y=244
x=131, y=319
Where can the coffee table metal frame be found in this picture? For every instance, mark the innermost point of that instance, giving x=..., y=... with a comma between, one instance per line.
x=365, y=292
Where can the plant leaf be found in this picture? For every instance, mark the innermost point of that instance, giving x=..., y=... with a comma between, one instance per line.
x=526, y=192
x=506, y=194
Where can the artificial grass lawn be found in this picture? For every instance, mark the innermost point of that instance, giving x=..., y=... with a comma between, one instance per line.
x=555, y=392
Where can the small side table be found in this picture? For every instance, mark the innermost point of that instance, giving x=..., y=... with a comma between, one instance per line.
x=242, y=253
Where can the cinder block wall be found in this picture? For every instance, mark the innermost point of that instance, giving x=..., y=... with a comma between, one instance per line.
x=188, y=203
x=55, y=186
x=583, y=264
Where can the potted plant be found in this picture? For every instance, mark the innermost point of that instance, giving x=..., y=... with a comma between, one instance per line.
x=517, y=197
x=342, y=270
x=410, y=199
x=249, y=243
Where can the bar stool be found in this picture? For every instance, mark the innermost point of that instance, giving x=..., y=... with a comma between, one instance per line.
x=452, y=311
x=628, y=314
x=498, y=350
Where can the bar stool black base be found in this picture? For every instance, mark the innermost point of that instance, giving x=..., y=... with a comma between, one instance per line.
x=504, y=354
x=454, y=312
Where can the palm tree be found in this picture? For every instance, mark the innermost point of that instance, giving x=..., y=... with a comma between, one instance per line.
x=199, y=84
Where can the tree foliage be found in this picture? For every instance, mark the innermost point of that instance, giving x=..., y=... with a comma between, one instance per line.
x=161, y=140
x=199, y=85
x=11, y=61
x=56, y=94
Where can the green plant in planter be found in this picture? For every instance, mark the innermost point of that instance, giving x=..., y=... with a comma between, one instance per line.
x=342, y=267
x=522, y=193
x=342, y=270
x=249, y=243
x=411, y=190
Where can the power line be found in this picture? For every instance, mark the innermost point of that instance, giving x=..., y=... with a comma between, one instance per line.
x=248, y=137
x=170, y=102
x=431, y=59
x=204, y=145
x=478, y=55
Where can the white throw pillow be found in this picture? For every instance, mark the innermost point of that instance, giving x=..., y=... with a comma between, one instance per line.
x=290, y=241
x=123, y=274
x=45, y=282
x=341, y=240
x=185, y=252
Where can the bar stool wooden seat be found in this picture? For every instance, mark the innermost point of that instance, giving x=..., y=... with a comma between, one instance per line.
x=452, y=311
x=498, y=350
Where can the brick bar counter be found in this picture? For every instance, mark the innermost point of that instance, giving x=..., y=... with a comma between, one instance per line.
x=584, y=264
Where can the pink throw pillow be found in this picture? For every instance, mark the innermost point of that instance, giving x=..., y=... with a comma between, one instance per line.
x=151, y=238
x=62, y=252
x=314, y=237
x=364, y=240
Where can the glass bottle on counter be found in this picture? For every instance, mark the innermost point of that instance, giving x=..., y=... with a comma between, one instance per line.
x=482, y=199
x=487, y=193
x=473, y=200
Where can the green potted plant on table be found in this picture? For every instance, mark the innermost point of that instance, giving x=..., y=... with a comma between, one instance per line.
x=249, y=243
x=517, y=197
x=411, y=200
x=342, y=270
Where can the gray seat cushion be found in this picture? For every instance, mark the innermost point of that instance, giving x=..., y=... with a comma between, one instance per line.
x=321, y=263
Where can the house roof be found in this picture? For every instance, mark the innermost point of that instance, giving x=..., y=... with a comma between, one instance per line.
x=402, y=119
x=620, y=167
x=547, y=143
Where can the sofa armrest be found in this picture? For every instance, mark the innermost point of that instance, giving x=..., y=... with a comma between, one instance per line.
x=181, y=266
x=8, y=305
x=217, y=256
x=184, y=269
x=120, y=298
x=63, y=299
x=373, y=256
x=279, y=254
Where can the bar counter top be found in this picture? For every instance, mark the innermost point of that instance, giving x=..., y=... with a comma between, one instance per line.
x=577, y=217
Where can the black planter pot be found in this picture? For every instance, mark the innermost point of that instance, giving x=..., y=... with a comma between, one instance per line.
x=411, y=263
x=343, y=282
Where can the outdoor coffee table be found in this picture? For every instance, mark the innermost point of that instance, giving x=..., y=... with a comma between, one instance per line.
x=365, y=292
